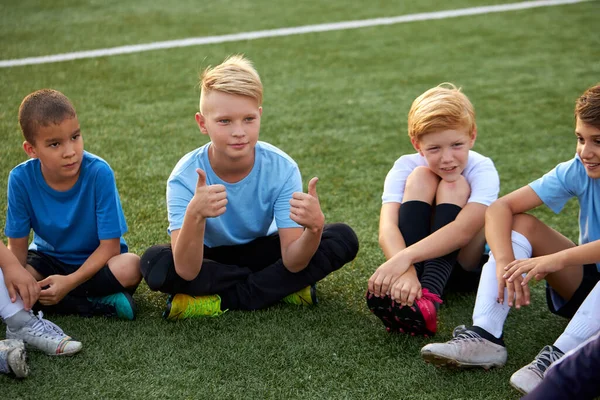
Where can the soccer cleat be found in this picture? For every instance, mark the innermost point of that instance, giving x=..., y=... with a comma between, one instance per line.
x=45, y=336
x=13, y=358
x=421, y=317
x=304, y=297
x=528, y=377
x=120, y=304
x=183, y=306
x=383, y=309
x=467, y=349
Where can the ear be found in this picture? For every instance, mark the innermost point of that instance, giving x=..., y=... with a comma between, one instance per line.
x=29, y=149
x=260, y=111
x=201, y=121
x=416, y=145
x=473, y=137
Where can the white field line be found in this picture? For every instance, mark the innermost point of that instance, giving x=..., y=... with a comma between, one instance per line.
x=337, y=26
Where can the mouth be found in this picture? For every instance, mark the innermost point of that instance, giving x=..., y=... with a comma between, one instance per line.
x=71, y=165
x=238, y=145
x=448, y=169
x=591, y=165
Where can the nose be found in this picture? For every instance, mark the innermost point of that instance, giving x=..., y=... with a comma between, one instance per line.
x=69, y=150
x=586, y=150
x=238, y=131
x=446, y=155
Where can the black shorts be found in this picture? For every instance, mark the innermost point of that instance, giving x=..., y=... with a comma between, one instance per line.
x=101, y=284
x=591, y=276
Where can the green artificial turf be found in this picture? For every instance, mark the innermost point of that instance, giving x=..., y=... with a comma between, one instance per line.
x=337, y=103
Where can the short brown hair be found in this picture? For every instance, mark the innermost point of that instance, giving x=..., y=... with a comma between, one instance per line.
x=235, y=75
x=42, y=108
x=440, y=108
x=587, y=107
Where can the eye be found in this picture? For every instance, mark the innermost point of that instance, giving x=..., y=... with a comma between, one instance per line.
x=580, y=140
x=224, y=121
x=53, y=145
x=459, y=144
x=249, y=119
x=76, y=136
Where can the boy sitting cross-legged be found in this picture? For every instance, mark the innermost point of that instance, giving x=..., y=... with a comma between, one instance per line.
x=243, y=235
x=431, y=223
x=69, y=198
x=521, y=244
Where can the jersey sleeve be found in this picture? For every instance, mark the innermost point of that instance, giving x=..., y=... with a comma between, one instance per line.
x=292, y=184
x=18, y=219
x=178, y=198
x=560, y=184
x=484, y=182
x=109, y=214
x=395, y=181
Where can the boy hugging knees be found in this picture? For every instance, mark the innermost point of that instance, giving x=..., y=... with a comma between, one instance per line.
x=69, y=198
x=433, y=212
x=522, y=248
x=243, y=234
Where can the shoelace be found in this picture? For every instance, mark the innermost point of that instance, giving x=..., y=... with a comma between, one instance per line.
x=461, y=333
x=203, y=307
x=45, y=327
x=543, y=360
x=434, y=298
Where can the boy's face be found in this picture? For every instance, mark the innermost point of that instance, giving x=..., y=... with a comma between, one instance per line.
x=232, y=122
x=59, y=147
x=446, y=152
x=588, y=147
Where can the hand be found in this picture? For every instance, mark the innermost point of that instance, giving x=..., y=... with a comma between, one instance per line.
x=407, y=288
x=19, y=281
x=208, y=201
x=385, y=276
x=537, y=267
x=305, y=209
x=57, y=287
x=518, y=292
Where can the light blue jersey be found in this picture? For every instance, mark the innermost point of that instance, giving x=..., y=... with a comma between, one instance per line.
x=257, y=205
x=66, y=225
x=568, y=180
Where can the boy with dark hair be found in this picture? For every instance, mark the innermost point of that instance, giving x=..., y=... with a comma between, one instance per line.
x=243, y=235
x=523, y=248
x=69, y=198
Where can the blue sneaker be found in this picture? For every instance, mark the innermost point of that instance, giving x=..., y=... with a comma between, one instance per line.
x=119, y=304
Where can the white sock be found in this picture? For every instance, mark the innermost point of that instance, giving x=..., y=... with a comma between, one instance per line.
x=585, y=323
x=488, y=313
x=7, y=307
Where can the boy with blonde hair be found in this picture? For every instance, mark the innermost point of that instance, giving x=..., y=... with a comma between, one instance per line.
x=243, y=235
x=521, y=244
x=431, y=222
x=69, y=198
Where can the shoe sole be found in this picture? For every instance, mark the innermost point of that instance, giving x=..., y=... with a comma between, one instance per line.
x=411, y=321
x=443, y=361
x=519, y=389
x=17, y=362
x=382, y=308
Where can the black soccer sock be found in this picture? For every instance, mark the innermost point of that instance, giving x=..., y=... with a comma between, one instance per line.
x=414, y=221
x=436, y=272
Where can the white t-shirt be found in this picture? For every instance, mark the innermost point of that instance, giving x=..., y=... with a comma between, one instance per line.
x=480, y=173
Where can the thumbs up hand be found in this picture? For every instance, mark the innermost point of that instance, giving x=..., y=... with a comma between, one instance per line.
x=208, y=201
x=305, y=209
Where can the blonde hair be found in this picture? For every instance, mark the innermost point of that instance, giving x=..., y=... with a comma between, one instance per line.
x=43, y=108
x=587, y=107
x=440, y=108
x=235, y=75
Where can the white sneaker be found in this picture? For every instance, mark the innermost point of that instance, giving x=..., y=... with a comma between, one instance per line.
x=528, y=377
x=467, y=349
x=13, y=358
x=45, y=336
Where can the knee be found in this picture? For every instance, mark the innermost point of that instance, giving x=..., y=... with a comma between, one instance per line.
x=155, y=264
x=126, y=268
x=525, y=224
x=456, y=192
x=346, y=235
x=150, y=257
x=421, y=184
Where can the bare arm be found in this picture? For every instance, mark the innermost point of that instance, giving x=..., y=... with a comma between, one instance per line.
x=188, y=247
x=19, y=248
x=499, y=221
x=298, y=246
x=17, y=280
x=56, y=287
x=390, y=237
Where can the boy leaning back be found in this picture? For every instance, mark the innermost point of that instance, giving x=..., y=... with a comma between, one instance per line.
x=521, y=244
x=69, y=198
x=431, y=223
x=243, y=235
